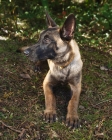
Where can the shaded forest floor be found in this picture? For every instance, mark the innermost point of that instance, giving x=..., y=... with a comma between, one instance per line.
x=22, y=98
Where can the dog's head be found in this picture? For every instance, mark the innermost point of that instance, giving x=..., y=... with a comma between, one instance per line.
x=53, y=40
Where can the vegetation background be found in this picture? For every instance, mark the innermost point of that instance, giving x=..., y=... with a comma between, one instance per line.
x=21, y=93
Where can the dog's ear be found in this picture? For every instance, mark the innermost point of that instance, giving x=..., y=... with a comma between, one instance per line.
x=67, y=30
x=50, y=21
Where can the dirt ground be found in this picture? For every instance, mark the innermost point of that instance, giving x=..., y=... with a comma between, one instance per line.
x=22, y=98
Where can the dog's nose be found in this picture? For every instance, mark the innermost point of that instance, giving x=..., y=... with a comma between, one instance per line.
x=26, y=52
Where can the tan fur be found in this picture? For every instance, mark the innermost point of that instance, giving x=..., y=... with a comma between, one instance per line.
x=56, y=74
x=56, y=45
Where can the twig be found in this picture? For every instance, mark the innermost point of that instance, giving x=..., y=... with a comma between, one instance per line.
x=110, y=100
x=96, y=105
x=10, y=127
x=21, y=133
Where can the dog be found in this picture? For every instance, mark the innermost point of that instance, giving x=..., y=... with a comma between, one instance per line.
x=57, y=46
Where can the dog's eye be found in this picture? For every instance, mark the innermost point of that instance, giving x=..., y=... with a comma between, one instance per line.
x=47, y=39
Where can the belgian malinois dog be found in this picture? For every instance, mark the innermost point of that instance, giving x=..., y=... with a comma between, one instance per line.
x=57, y=46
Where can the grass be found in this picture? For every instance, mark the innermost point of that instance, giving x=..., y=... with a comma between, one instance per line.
x=22, y=101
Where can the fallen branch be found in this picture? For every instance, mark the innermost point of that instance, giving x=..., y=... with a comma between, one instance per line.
x=21, y=133
x=110, y=100
x=10, y=127
x=96, y=105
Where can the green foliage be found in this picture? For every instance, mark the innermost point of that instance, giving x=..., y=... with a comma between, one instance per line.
x=25, y=18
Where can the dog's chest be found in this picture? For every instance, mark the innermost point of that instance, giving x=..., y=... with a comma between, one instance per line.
x=64, y=74
x=61, y=74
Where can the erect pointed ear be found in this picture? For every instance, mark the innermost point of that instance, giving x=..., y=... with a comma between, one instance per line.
x=50, y=21
x=67, y=31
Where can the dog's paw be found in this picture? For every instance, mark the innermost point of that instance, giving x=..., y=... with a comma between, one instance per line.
x=49, y=116
x=72, y=121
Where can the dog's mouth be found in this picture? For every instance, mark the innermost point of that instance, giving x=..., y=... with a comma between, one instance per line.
x=28, y=53
x=36, y=57
x=39, y=54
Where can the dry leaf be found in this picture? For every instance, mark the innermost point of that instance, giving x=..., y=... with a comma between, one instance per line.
x=25, y=76
x=1, y=134
x=54, y=134
x=103, y=68
x=7, y=95
x=99, y=135
x=81, y=107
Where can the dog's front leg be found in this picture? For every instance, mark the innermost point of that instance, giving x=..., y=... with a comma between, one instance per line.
x=50, y=102
x=72, y=119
